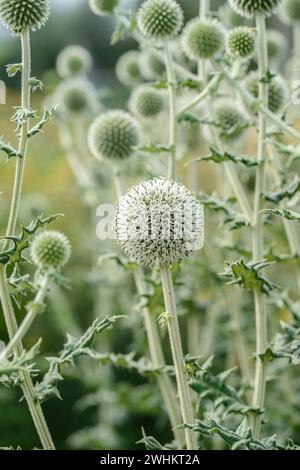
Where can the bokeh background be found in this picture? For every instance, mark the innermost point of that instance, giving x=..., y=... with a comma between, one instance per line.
x=102, y=407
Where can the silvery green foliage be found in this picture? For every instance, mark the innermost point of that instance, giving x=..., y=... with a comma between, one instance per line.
x=203, y=39
x=50, y=250
x=250, y=8
x=277, y=90
x=73, y=60
x=128, y=69
x=19, y=15
x=146, y=102
x=159, y=222
x=291, y=10
x=114, y=135
x=160, y=19
x=241, y=43
x=103, y=7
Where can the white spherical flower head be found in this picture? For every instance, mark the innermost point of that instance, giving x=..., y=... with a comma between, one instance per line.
x=291, y=10
x=103, y=7
x=19, y=15
x=160, y=19
x=50, y=250
x=128, y=69
x=146, y=102
x=73, y=60
x=203, y=39
x=159, y=222
x=76, y=96
x=250, y=8
x=113, y=135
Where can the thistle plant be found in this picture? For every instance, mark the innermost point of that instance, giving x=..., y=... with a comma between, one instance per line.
x=241, y=43
x=146, y=102
x=128, y=69
x=72, y=61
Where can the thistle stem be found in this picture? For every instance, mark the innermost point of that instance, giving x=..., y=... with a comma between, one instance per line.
x=204, y=93
x=178, y=357
x=8, y=311
x=172, y=111
x=28, y=320
x=158, y=360
x=27, y=386
x=257, y=233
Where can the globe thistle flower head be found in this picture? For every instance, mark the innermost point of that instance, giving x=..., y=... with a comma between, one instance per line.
x=230, y=119
x=20, y=15
x=250, y=8
x=160, y=19
x=103, y=7
x=152, y=66
x=76, y=96
x=146, y=102
x=72, y=61
x=241, y=43
x=277, y=90
x=291, y=10
x=277, y=45
x=159, y=222
x=203, y=39
x=113, y=135
x=50, y=250
x=128, y=69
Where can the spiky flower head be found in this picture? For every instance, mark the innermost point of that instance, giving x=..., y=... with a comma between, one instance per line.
x=159, y=222
x=50, y=250
x=230, y=119
x=113, y=135
x=19, y=15
x=250, y=8
x=128, y=69
x=291, y=10
x=76, y=96
x=241, y=43
x=152, y=65
x=203, y=39
x=73, y=60
x=277, y=90
x=277, y=45
x=146, y=102
x=160, y=19
x=103, y=7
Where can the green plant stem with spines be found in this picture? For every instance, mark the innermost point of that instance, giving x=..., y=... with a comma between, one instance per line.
x=257, y=233
x=8, y=310
x=172, y=111
x=184, y=394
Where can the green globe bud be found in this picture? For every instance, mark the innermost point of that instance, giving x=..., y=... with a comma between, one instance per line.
x=160, y=19
x=103, y=7
x=241, y=43
x=19, y=15
x=250, y=8
x=203, y=39
x=152, y=66
x=113, y=135
x=291, y=10
x=277, y=91
x=50, y=250
x=277, y=45
x=146, y=102
x=231, y=121
x=128, y=69
x=76, y=96
x=73, y=60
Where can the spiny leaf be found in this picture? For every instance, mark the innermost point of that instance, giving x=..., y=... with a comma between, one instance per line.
x=8, y=149
x=286, y=213
x=21, y=242
x=151, y=443
x=142, y=366
x=287, y=192
x=72, y=349
x=218, y=157
x=48, y=115
x=247, y=275
x=155, y=149
x=13, y=69
x=35, y=84
x=10, y=369
x=22, y=115
x=268, y=77
x=232, y=217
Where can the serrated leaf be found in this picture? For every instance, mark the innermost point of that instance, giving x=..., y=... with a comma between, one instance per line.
x=48, y=115
x=151, y=443
x=8, y=149
x=288, y=192
x=35, y=84
x=233, y=218
x=155, y=148
x=217, y=157
x=286, y=213
x=13, y=69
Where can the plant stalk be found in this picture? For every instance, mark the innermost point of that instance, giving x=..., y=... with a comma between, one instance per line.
x=172, y=112
x=178, y=357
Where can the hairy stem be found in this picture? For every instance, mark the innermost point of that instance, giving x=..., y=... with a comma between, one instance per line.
x=172, y=112
x=257, y=233
x=178, y=357
x=8, y=311
x=37, y=306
